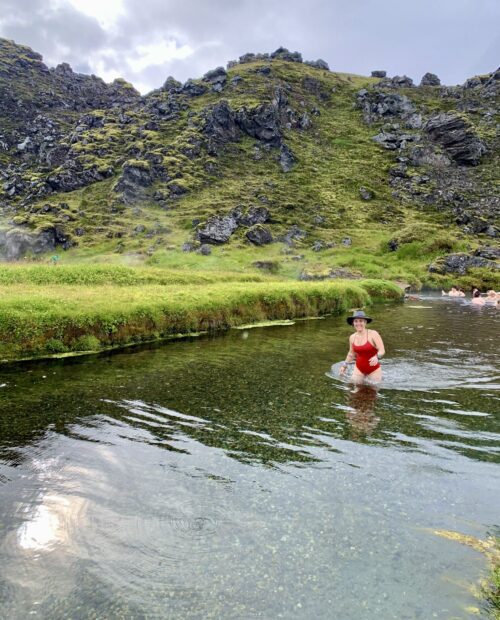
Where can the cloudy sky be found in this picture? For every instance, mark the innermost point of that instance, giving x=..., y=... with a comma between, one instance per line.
x=145, y=41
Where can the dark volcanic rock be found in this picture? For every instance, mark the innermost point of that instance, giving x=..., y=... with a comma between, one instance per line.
x=488, y=252
x=393, y=141
x=377, y=105
x=16, y=243
x=430, y=79
x=134, y=178
x=220, y=126
x=287, y=159
x=398, y=81
x=205, y=250
x=217, y=230
x=217, y=78
x=379, y=74
x=267, y=265
x=365, y=194
x=265, y=122
x=460, y=263
x=191, y=89
x=457, y=137
x=254, y=215
x=69, y=179
x=318, y=64
x=293, y=234
x=283, y=54
x=259, y=235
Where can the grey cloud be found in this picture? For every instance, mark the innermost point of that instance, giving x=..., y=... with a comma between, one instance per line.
x=453, y=38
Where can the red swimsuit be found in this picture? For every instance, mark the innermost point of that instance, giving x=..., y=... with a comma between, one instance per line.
x=363, y=354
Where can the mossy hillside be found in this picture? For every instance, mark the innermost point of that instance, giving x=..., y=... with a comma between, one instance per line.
x=334, y=158
x=67, y=316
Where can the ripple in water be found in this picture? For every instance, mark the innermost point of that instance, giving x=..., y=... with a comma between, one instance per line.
x=409, y=375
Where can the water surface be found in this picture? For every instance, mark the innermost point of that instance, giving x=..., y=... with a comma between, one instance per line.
x=231, y=477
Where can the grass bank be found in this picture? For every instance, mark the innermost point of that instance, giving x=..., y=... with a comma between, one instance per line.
x=43, y=319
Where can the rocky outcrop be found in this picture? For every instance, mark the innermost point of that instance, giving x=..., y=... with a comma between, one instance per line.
x=318, y=64
x=398, y=81
x=16, y=243
x=430, y=79
x=265, y=122
x=283, y=54
x=135, y=176
x=378, y=105
x=259, y=235
x=394, y=141
x=455, y=134
x=217, y=230
x=220, y=127
x=460, y=263
x=217, y=78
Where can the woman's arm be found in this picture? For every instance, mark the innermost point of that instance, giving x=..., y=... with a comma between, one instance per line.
x=351, y=356
x=379, y=345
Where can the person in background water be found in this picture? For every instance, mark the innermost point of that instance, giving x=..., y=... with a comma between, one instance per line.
x=366, y=347
x=476, y=298
x=492, y=297
x=453, y=292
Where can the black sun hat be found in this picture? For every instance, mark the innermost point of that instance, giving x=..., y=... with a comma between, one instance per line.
x=358, y=314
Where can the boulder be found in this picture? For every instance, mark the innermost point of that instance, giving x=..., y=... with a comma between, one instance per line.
x=205, y=250
x=266, y=265
x=488, y=252
x=460, y=263
x=293, y=234
x=135, y=177
x=217, y=230
x=220, y=126
x=456, y=135
x=379, y=74
x=393, y=141
x=378, y=105
x=192, y=89
x=430, y=79
x=318, y=64
x=287, y=158
x=16, y=243
x=259, y=235
x=283, y=54
x=217, y=78
x=254, y=215
x=365, y=194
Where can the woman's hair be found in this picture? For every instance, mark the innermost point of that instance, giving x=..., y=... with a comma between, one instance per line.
x=476, y=293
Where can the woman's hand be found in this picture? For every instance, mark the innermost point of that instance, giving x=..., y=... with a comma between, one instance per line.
x=373, y=361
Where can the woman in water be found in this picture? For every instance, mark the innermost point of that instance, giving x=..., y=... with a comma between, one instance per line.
x=477, y=299
x=366, y=347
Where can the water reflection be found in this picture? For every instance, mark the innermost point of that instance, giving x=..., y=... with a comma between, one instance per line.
x=362, y=418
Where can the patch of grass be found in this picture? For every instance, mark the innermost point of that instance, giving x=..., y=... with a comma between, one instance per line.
x=37, y=319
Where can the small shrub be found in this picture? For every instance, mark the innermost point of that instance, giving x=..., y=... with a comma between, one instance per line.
x=53, y=345
x=87, y=343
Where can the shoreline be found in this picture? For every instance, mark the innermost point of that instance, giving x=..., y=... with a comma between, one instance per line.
x=43, y=322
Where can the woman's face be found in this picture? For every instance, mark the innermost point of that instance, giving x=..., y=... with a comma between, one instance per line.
x=359, y=324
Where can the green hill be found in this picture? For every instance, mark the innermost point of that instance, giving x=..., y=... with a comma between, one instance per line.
x=270, y=164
